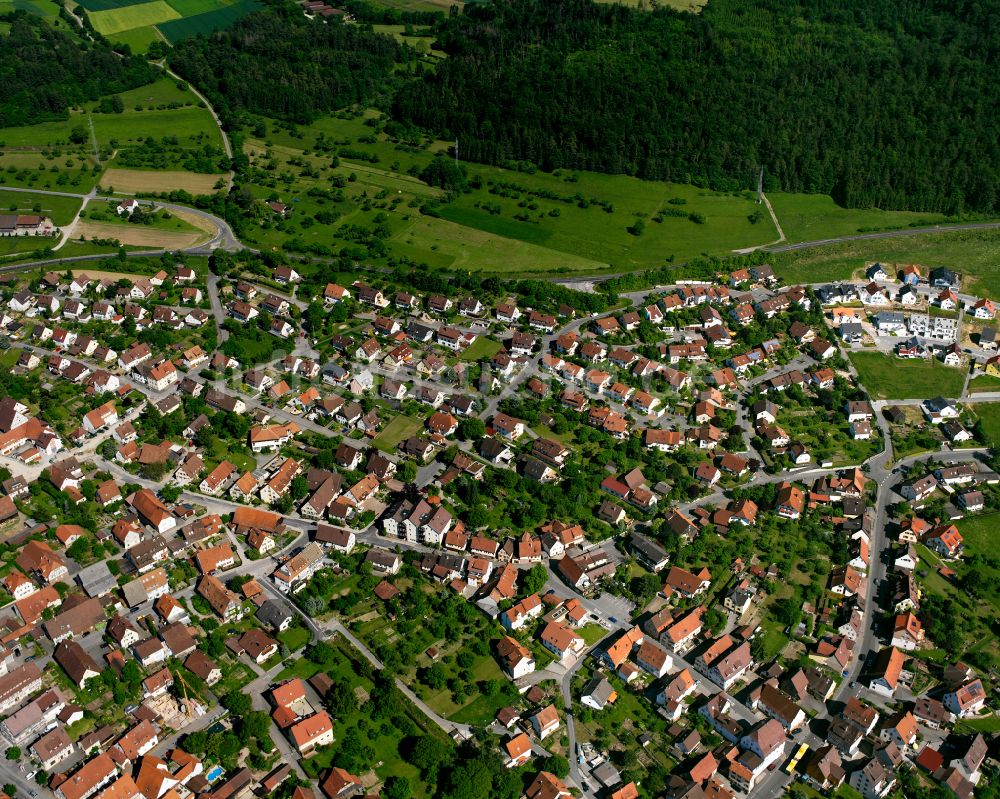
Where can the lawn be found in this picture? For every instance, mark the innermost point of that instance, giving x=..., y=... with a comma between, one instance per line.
x=774, y=638
x=981, y=533
x=984, y=383
x=986, y=724
x=482, y=347
x=989, y=415
x=295, y=637
x=398, y=429
x=973, y=253
x=592, y=633
x=887, y=377
x=60, y=210
x=811, y=217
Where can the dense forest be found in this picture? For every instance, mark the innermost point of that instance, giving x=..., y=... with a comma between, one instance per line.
x=284, y=65
x=879, y=103
x=45, y=71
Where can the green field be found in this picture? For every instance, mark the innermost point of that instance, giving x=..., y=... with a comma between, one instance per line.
x=981, y=533
x=973, y=253
x=190, y=126
x=809, y=217
x=60, y=210
x=138, y=39
x=164, y=91
x=396, y=430
x=586, y=229
x=190, y=8
x=887, y=377
x=12, y=245
x=989, y=416
x=509, y=222
x=984, y=383
x=482, y=347
x=41, y=8
x=421, y=5
x=126, y=18
x=207, y=22
x=104, y=5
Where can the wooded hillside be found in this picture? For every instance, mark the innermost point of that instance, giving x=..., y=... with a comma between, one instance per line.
x=879, y=103
x=284, y=65
x=44, y=71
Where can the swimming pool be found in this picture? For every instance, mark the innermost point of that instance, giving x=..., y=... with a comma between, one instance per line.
x=214, y=773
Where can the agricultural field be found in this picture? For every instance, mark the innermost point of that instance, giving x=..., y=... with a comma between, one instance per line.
x=42, y=8
x=191, y=126
x=139, y=24
x=887, y=377
x=144, y=181
x=975, y=254
x=130, y=17
x=205, y=22
x=811, y=217
x=138, y=235
x=138, y=39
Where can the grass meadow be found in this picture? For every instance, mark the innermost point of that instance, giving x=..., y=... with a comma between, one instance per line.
x=890, y=378
x=811, y=217
x=60, y=210
x=975, y=254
